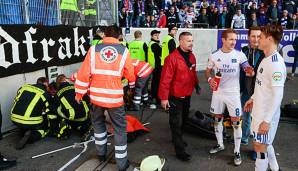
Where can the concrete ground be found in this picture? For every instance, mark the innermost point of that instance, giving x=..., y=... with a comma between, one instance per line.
x=158, y=142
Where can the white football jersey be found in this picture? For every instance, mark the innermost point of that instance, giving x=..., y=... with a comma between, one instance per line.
x=271, y=72
x=229, y=65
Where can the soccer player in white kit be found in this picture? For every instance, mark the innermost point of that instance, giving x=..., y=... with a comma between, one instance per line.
x=266, y=100
x=227, y=61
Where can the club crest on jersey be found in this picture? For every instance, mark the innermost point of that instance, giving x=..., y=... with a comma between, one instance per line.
x=261, y=70
x=277, y=76
x=234, y=60
x=108, y=54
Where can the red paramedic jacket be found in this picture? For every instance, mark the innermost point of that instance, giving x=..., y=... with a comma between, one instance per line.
x=177, y=79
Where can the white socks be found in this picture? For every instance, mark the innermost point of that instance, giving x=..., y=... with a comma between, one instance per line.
x=237, y=138
x=272, y=158
x=218, y=128
x=261, y=164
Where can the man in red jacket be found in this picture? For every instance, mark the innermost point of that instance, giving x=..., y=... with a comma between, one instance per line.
x=178, y=80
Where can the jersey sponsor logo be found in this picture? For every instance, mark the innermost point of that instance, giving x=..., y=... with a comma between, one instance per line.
x=261, y=138
x=234, y=60
x=274, y=58
x=258, y=82
x=277, y=76
x=261, y=70
x=108, y=54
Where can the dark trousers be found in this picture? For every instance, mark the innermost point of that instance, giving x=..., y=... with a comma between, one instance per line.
x=117, y=116
x=141, y=90
x=179, y=110
x=155, y=83
x=295, y=62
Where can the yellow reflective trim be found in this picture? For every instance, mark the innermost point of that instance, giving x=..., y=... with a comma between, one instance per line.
x=43, y=133
x=60, y=112
x=52, y=116
x=31, y=106
x=27, y=121
x=64, y=89
x=69, y=108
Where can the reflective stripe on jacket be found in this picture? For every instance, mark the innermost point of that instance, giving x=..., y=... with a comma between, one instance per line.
x=141, y=69
x=102, y=71
x=29, y=105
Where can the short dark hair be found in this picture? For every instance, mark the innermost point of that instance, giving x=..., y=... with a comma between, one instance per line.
x=275, y=31
x=113, y=31
x=60, y=79
x=186, y=33
x=253, y=28
x=225, y=33
x=42, y=80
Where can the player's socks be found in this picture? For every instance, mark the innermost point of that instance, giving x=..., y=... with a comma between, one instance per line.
x=237, y=136
x=272, y=158
x=261, y=162
x=218, y=128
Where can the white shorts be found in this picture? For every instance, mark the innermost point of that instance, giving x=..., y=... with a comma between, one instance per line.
x=269, y=137
x=230, y=100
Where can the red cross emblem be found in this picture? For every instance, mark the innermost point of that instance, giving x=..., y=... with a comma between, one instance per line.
x=109, y=54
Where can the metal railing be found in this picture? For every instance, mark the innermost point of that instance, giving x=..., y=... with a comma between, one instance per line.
x=52, y=12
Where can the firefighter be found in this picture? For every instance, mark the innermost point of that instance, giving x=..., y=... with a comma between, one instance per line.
x=72, y=115
x=101, y=72
x=142, y=72
x=31, y=111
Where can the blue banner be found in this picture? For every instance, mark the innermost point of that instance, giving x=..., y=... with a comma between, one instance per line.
x=285, y=44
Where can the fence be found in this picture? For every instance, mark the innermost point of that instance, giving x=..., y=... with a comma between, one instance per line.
x=55, y=12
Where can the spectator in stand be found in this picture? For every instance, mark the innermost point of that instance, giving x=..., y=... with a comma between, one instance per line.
x=122, y=17
x=252, y=9
x=203, y=19
x=214, y=18
x=262, y=18
x=168, y=4
x=128, y=4
x=220, y=5
x=238, y=21
x=172, y=17
x=153, y=21
x=273, y=13
x=204, y=4
x=162, y=19
x=262, y=7
x=139, y=12
x=179, y=4
x=289, y=5
x=150, y=7
x=210, y=9
x=294, y=22
x=182, y=16
x=222, y=23
x=147, y=21
x=253, y=22
x=190, y=16
x=285, y=20
x=232, y=9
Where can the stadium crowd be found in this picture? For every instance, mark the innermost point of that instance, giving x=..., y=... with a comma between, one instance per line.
x=236, y=14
